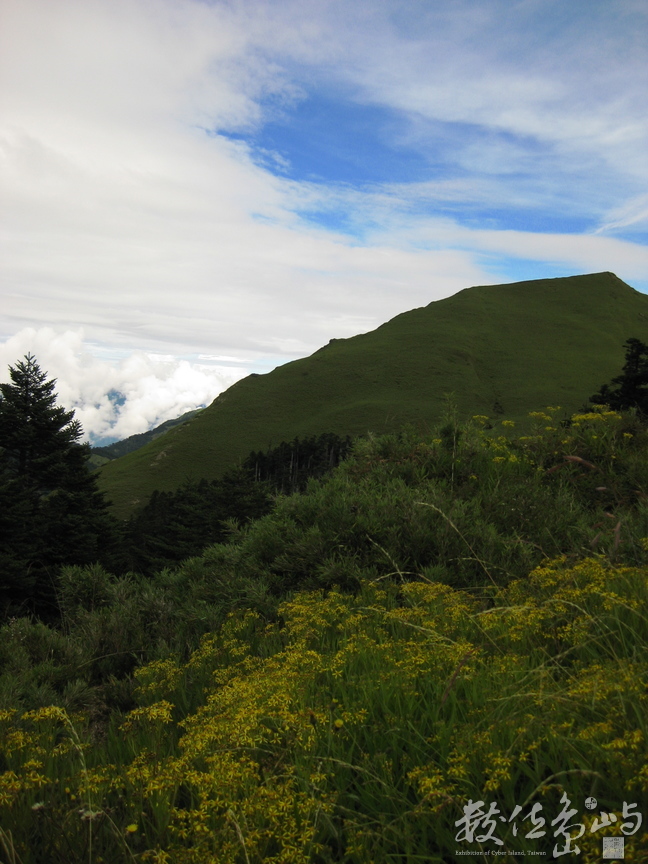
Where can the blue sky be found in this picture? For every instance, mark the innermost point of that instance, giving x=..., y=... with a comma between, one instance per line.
x=196, y=190
x=327, y=138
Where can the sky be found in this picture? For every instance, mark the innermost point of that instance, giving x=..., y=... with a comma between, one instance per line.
x=193, y=190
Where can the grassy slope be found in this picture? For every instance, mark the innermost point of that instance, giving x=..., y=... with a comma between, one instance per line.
x=525, y=345
x=134, y=442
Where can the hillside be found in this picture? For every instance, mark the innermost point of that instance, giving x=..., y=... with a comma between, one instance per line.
x=101, y=455
x=503, y=349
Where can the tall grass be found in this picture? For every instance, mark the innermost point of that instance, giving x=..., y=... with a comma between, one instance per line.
x=431, y=626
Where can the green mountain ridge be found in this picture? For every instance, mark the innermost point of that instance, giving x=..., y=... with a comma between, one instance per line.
x=499, y=349
x=102, y=455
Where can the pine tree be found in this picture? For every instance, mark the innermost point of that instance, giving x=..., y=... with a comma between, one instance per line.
x=35, y=434
x=52, y=512
x=632, y=386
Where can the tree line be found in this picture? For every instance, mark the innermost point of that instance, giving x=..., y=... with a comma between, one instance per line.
x=176, y=525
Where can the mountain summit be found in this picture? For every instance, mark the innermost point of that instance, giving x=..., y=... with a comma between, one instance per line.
x=501, y=350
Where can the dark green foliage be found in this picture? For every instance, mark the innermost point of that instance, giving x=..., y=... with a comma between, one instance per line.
x=524, y=669
x=37, y=663
x=111, y=625
x=467, y=508
x=17, y=579
x=288, y=467
x=52, y=512
x=174, y=526
x=36, y=435
x=632, y=385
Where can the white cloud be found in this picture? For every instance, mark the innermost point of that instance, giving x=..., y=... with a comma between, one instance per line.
x=150, y=388
x=586, y=253
x=632, y=214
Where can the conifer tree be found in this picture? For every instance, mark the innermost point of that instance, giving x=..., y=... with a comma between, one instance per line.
x=36, y=435
x=51, y=510
x=632, y=385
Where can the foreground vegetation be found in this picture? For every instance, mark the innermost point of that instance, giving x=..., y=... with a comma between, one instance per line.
x=450, y=618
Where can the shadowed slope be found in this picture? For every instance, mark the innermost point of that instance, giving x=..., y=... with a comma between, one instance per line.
x=504, y=347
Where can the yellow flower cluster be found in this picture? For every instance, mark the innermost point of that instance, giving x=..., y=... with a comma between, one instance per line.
x=159, y=678
x=158, y=712
x=418, y=692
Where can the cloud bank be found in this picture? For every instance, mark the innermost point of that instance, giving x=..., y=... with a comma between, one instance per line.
x=113, y=400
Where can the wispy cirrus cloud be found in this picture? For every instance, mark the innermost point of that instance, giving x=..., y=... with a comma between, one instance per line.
x=630, y=217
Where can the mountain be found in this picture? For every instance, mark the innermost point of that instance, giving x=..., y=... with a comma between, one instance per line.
x=101, y=455
x=501, y=350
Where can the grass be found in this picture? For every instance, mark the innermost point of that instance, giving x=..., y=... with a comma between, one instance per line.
x=503, y=349
x=357, y=729
x=446, y=619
